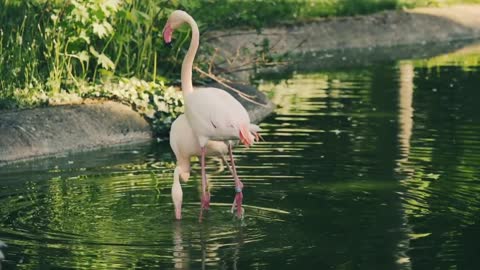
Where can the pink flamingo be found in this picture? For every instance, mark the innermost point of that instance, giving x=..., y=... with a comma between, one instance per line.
x=185, y=144
x=212, y=113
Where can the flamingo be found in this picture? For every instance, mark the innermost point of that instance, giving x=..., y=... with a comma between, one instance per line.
x=212, y=113
x=185, y=145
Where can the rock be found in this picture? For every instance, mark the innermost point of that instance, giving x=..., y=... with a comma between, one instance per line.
x=52, y=130
x=388, y=28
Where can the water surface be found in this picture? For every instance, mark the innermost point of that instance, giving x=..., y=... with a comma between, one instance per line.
x=372, y=167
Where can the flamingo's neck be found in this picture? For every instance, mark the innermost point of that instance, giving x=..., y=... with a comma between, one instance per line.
x=176, y=177
x=187, y=64
x=177, y=193
x=183, y=166
x=176, y=187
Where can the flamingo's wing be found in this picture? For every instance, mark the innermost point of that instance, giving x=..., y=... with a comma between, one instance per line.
x=214, y=113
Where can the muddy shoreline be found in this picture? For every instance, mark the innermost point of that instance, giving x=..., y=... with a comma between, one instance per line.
x=356, y=40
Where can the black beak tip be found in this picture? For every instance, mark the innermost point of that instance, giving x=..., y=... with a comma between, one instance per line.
x=168, y=44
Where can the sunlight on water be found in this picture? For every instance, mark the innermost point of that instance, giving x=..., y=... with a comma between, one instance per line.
x=361, y=168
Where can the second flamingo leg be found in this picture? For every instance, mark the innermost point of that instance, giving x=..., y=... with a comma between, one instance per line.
x=238, y=185
x=228, y=165
x=205, y=192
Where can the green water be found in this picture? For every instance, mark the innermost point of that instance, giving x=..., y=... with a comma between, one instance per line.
x=362, y=168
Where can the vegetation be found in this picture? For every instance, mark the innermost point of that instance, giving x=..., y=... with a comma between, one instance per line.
x=55, y=51
x=60, y=52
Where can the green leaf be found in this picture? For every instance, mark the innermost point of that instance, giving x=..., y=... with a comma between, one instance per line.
x=83, y=35
x=83, y=56
x=93, y=51
x=105, y=62
x=102, y=29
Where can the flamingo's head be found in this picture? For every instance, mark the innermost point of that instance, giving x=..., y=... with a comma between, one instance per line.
x=177, y=203
x=176, y=19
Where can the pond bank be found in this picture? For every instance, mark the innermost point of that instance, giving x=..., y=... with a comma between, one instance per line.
x=355, y=36
x=57, y=129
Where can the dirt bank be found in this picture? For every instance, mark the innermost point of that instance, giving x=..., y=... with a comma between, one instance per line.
x=359, y=35
x=52, y=130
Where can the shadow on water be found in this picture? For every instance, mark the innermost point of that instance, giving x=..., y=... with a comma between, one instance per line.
x=372, y=167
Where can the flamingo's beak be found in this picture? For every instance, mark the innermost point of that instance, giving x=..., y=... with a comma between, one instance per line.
x=167, y=33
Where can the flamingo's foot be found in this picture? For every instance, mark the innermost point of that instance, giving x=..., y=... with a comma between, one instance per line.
x=237, y=203
x=206, y=201
x=236, y=212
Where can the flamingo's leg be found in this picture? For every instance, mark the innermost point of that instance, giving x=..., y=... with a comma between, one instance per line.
x=205, y=193
x=235, y=177
x=228, y=165
x=238, y=185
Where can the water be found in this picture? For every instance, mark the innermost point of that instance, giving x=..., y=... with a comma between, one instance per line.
x=363, y=168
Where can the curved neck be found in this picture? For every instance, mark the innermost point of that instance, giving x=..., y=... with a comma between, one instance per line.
x=187, y=64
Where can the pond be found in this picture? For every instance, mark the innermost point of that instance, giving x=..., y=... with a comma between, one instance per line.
x=372, y=167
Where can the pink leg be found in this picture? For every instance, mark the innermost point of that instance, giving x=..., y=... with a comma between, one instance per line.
x=238, y=185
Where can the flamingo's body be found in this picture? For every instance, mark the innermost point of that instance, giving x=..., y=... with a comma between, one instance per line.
x=212, y=113
x=185, y=145
x=216, y=115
